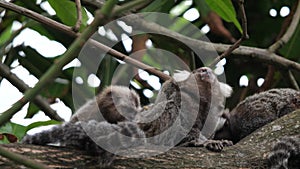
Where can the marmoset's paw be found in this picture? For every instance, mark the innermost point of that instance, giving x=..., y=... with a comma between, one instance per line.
x=217, y=145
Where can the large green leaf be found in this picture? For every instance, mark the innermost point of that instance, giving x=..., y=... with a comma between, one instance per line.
x=41, y=123
x=66, y=12
x=225, y=10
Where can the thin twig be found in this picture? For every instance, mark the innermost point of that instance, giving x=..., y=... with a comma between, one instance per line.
x=70, y=32
x=69, y=55
x=129, y=60
x=269, y=78
x=35, y=16
x=243, y=51
x=22, y=87
x=238, y=42
x=79, y=16
x=252, y=52
x=293, y=80
x=289, y=32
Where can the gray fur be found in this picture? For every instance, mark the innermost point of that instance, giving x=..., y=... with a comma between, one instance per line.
x=258, y=110
x=199, y=96
x=196, y=97
x=285, y=153
x=88, y=128
x=87, y=135
x=113, y=104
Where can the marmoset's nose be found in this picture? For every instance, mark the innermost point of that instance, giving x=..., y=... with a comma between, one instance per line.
x=204, y=70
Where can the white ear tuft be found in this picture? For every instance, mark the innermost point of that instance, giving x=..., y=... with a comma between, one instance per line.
x=226, y=89
x=181, y=75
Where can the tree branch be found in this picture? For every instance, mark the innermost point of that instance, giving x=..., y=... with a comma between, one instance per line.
x=70, y=32
x=21, y=159
x=69, y=55
x=35, y=16
x=251, y=152
x=79, y=16
x=293, y=80
x=23, y=87
x=238, y=42
x=243, y=51
x=289, y=32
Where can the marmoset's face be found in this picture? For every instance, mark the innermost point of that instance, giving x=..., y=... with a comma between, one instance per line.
x=204, y=74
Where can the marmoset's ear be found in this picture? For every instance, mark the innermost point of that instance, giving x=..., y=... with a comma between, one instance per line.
x=226, y=89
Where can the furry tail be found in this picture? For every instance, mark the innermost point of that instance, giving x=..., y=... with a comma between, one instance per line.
x=285, y=153
x=69, y=135
x=90, y=136
x=72, y=135
x=44, y=137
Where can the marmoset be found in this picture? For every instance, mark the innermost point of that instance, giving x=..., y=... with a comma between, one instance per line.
x=258, y=110
x=285, y=153
x=191, y=101
x=114, y=104
x=196, y=97
x=104, y=119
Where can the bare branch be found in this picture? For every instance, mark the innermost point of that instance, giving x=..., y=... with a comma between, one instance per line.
x=238, y=42
x=37, y=17
x=79, y=16
x=293, y=80
x=251, y=152
x=20, y=159
x=70, y=32
x=72, y=52
x=22, y=87
x=289, y=32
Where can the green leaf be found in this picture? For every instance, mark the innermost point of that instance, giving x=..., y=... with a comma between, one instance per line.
x=32, y=110
x=4, y=140
x=15, y=129
x=225, y=10
x=18, y=130
x=67, y=13
x=41, y=123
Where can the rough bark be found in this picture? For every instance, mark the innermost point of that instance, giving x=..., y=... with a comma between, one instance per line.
x=251, y=152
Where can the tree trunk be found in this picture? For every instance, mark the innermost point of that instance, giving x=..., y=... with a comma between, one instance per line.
x=251, y=152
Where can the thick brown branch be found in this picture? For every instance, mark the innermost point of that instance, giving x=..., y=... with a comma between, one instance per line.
x=251, y=152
